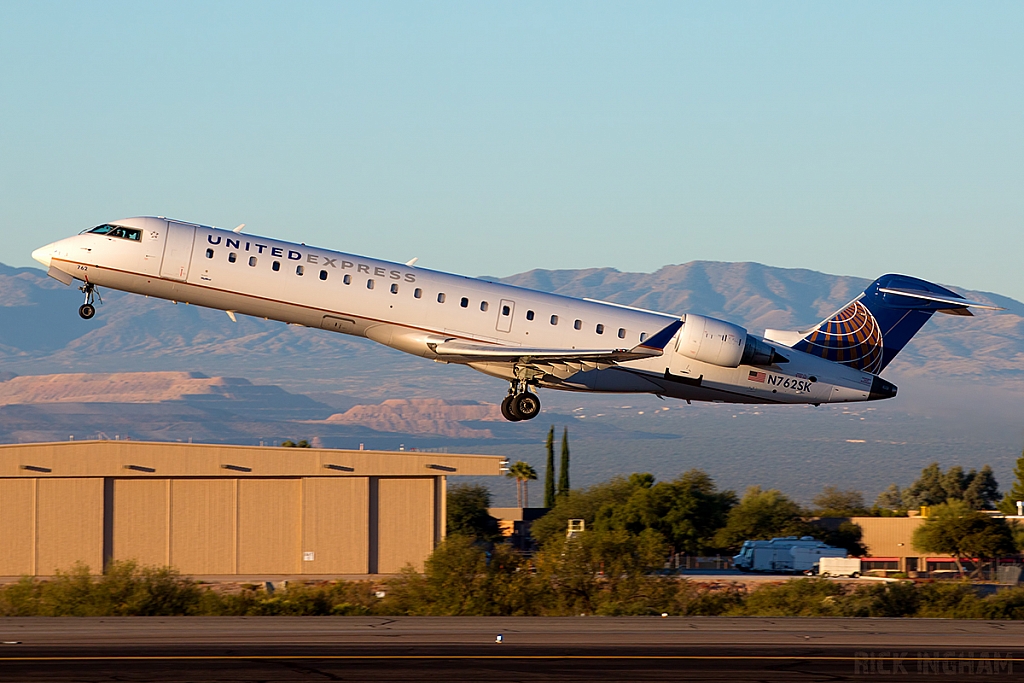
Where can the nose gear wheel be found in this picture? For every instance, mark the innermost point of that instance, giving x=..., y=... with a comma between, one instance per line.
x=88, y=310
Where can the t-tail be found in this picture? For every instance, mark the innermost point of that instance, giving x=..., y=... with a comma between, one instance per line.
x=868, y=332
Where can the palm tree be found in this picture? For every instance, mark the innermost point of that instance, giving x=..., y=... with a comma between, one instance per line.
x=522, y=472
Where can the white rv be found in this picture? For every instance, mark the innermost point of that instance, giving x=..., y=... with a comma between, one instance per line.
x=788, y=554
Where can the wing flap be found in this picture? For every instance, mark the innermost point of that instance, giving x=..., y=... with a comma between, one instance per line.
x=469, y=351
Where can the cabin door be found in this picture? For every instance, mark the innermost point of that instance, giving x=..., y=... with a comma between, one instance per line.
x=506, y=309
x=177, y=251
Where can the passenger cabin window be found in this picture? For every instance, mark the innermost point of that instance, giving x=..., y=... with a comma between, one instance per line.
x=323, y=274
x=232, y=257
x=369, y=283
x=529, y=315
x=578, y=325
x=209, y=253
x=643, y=337
x=394, y=289
x=347, y=279
x=622, y=333
x=600, y=328
x=483, y=306
x=276, y=266
x=299, y=270
x=252, y=260
x=440, y=298
x=505, y=310
x=554, y=320
x=417, y=293
x=464, y=303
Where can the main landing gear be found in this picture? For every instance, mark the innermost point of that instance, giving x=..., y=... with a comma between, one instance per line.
x=520, y=404
x=88, y=310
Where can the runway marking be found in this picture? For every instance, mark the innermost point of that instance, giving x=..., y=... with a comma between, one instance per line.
x=812, y=658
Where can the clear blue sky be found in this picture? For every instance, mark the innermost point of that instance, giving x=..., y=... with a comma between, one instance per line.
x=495, y=137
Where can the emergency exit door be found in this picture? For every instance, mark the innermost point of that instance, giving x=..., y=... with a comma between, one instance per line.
x=506, y=309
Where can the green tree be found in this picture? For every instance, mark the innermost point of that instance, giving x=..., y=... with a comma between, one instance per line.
x=586, y=504
x=292, y=444
x=760, y=515
x=1016, y=492
x=458, y=579
x=601, y=571
x=836, y=502
x=891, y=499
x=927, y=490
x=979, y=489
x=549, y=470
x=982, y=491
x=957, y=530
x=686, y=512
x=467, y=506
x=523, y=473
x=563, y=471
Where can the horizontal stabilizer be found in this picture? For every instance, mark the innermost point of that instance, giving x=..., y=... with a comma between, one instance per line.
x=953, y=301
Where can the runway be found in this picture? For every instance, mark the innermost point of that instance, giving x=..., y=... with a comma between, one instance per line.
x=209, y=649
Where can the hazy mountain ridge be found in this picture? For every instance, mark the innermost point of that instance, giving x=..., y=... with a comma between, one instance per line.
x=957, y=404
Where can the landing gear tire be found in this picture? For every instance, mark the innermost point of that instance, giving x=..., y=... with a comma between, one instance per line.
x=506, y=409
x=526, y=405
x=87, y=310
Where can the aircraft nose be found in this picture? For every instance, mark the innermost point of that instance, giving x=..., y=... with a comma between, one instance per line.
x=43, y=254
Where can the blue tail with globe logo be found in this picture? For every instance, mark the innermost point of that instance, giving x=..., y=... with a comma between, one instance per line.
x=868, y=332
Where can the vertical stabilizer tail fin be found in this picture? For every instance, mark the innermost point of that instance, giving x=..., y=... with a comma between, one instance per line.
x=868, y=332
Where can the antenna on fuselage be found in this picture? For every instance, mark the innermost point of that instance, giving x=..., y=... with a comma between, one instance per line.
x=412, y=262
x=239, y=228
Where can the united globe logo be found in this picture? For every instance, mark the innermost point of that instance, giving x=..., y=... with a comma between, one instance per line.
x=851, y=337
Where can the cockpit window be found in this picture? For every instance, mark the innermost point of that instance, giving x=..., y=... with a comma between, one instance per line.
x=118, y=231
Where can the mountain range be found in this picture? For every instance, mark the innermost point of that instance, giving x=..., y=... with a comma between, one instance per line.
x=209, y=378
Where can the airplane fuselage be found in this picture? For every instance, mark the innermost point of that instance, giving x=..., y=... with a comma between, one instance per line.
x=412, y=309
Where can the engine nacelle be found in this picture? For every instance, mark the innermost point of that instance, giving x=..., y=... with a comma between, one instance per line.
x=720, y=343
x=712, y=341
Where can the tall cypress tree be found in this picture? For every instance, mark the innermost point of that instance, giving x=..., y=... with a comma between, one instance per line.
x=549, y=473
x=563, y=474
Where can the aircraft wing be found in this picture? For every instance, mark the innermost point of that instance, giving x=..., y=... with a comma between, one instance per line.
x=469, y=352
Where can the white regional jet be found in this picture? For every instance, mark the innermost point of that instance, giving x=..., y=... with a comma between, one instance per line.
x=532, y=339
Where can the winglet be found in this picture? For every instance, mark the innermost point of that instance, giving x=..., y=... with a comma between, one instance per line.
x=658, y=341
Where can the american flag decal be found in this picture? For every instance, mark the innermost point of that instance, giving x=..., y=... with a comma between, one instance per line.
x=755, y=376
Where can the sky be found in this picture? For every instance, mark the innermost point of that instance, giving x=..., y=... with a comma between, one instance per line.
x=497, y=137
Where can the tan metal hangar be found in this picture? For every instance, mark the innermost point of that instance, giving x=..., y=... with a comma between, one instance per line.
x=216, y=510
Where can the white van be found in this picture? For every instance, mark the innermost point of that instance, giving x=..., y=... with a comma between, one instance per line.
x=839, y=566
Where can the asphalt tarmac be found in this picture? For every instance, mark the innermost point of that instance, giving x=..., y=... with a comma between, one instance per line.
x=208, y=649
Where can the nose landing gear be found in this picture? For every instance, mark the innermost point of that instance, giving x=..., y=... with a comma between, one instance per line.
x=520, y=404
x=88, y=310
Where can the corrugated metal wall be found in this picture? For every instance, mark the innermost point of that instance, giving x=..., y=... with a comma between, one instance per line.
x=222, y=525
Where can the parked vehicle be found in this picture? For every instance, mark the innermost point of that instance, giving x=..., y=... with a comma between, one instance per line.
x=788, y=554
x=839, y=566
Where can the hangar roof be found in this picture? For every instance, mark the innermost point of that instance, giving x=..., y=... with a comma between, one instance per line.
x=166, y=459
